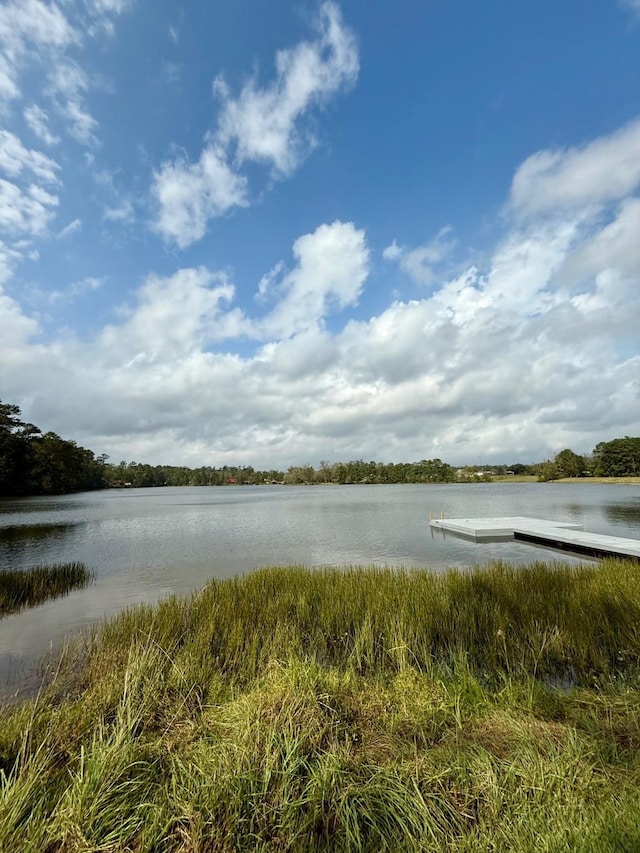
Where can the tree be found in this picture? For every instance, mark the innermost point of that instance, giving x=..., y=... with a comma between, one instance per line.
x=617, y=458
x=569, y=464
x=32, y=463
x=16, y=439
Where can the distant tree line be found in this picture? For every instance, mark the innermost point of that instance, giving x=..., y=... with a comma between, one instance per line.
x=140, y=475
x=620, y=457
x=359, y=471
x=33, y=463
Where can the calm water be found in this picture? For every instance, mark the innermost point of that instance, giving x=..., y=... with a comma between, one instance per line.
x=147, y=543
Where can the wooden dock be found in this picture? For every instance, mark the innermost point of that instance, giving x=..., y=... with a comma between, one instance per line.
x=563, y=535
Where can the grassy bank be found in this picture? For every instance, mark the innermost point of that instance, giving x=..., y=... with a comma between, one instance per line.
x=620, y=481
x=343, y=710
x=533, y=478
x=514, y=478
x=27, y=587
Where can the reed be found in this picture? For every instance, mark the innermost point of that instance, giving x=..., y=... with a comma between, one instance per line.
x=346, y=710
x=27, y=587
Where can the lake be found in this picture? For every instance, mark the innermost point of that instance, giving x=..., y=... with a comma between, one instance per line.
x=144, y=544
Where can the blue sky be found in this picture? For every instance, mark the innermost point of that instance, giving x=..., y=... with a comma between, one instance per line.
x=274, y=233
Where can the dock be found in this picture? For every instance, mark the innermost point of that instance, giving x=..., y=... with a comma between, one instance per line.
x=564, y=535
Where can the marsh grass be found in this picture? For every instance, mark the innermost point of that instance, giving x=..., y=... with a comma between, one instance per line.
x=346, y=710
x=27, y=587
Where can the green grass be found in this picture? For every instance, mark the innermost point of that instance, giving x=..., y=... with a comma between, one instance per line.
x=27, y=587
x=342, y=710
x=514, y=478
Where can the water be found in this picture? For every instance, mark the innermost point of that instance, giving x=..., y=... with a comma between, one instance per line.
x=144, y=544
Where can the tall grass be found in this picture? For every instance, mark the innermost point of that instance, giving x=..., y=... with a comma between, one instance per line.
x=571, y=623
x=27, y=587
x=343, y=710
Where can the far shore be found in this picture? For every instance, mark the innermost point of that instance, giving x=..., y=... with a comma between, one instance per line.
x=619, y=481
x=532, y=478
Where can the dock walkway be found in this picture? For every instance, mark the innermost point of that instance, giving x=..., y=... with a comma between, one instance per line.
x=564, y=535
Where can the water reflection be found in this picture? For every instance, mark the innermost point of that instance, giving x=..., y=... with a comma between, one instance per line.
x=629, y=513
x=35, y=505
x=17, y=533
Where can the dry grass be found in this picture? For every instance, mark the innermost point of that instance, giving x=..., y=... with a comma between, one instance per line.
x=620, y=481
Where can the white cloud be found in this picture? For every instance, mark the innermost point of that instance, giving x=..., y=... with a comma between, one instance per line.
x=108, y=7
x=8, y=257
x=188, y=195
x=558, y=181
x=15, y=160
x=38, y=121
x=123, y=212
x=17, y=329
x=102, y=13
x=29, y=25
x=24, y=22
x=421, y=264
x=36, y=36
x=72, y=228
x=8, y=85
x=614, y=246
x=173, y=317
x=263, y=124
x=332, y=266
x=26, y=207
x=76, y=290
x=68, y=85
x=25, y=212
x=261, y=121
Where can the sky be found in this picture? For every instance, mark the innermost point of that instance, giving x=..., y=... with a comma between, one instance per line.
x=276, y=233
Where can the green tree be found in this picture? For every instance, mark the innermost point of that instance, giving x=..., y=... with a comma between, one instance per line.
x=617, y=458
x=569, y=464
x=16, y=446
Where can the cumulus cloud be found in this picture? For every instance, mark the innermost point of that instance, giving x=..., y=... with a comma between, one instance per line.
x=535, y=350
x=263, y=124
x=172, y=317
x=189, y=194
x=332, y=264
x=17, y=330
